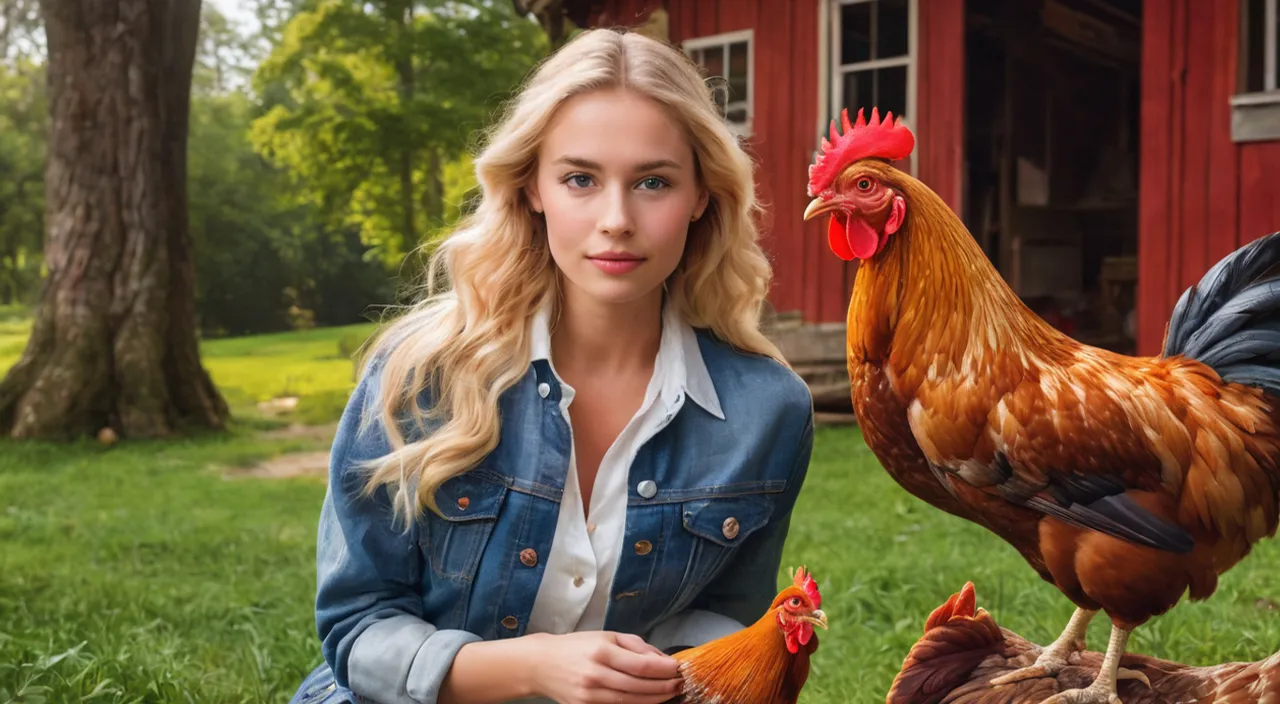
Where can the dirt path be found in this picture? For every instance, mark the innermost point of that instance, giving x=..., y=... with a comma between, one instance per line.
x=293, y=464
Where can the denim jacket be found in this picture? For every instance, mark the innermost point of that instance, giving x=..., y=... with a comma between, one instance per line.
x=709, y=505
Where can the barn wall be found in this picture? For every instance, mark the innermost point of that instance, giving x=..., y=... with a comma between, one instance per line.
x=1201, y=195
x=807, y=277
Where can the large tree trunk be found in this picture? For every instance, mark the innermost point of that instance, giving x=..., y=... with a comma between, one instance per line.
x=114, y=340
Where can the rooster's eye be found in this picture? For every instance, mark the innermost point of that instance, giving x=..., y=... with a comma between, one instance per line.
x=864, y=184
x=795, y=601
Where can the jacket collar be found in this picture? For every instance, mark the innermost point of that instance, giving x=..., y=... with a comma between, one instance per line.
x=681, y=369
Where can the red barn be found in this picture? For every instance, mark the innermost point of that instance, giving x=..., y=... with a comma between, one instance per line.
x=1103, y=152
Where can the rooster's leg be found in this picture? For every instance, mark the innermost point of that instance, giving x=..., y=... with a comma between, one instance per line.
x=1103, y=689
x=1055, y=657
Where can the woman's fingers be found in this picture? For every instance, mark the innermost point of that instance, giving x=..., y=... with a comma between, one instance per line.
x=636, y=644
x=619, y=682
x=647, y=666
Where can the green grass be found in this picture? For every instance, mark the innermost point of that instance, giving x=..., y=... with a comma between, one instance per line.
x=140, y=573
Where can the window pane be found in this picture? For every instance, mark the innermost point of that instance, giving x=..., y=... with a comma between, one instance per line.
x=738, y=87
x=891, y=28
x=891, y=90
x=884, y=88
x=855, y=32
x=713, y=61
x=1254, y=39
x=859, y=91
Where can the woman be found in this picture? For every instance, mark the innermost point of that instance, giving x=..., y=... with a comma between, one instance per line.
x=584, y=450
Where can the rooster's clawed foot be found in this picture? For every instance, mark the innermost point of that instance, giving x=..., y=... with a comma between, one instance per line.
x=1057, y=655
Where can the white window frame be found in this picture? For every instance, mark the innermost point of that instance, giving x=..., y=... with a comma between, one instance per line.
x=831, y=71
x=723, y=40
x=1255, y=116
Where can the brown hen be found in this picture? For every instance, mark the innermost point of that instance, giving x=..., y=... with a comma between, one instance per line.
x=963, y=650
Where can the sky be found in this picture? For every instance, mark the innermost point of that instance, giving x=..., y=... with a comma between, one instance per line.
x=239, y=12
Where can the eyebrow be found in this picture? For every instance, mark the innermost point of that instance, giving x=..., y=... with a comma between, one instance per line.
x=588, y=164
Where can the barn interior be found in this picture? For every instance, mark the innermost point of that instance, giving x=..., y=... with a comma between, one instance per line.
x=1052, y=131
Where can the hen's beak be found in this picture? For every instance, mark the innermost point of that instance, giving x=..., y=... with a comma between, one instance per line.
x=818, y=206
x=817, y=618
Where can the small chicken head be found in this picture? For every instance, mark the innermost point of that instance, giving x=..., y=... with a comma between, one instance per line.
x=798, y=608
x=848, y=180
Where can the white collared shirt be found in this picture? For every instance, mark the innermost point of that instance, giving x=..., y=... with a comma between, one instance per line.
x=578, y=577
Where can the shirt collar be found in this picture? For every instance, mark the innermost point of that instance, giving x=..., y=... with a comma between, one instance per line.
x=681, y=366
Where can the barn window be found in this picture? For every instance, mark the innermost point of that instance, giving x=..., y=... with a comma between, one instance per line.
x=872, y=56
x=1256, y=107
x=729, y=58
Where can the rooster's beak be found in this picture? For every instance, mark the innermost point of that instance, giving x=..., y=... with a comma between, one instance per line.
x=817, y=618
x=818, y=206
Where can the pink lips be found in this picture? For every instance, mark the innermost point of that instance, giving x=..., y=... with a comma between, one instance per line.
x=616, y=262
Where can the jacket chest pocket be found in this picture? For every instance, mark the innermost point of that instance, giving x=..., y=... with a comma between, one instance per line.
x=470, y=504
x=715, y=529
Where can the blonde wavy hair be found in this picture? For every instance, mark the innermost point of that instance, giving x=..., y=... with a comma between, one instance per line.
x=467, y=340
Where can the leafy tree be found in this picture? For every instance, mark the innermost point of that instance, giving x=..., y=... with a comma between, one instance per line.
x=24, y=121
x=380, y=97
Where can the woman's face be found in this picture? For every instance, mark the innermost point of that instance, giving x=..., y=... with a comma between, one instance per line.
x=617, y=185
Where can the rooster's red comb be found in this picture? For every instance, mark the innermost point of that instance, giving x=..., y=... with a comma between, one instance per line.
x=889, y=139
x=804, y=581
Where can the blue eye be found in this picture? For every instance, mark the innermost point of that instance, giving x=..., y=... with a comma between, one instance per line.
x=653, y=183
x=578, y=181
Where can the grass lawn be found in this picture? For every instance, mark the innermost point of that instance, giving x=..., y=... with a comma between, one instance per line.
x=140, y=573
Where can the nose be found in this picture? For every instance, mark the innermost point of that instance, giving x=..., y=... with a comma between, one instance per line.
x=615, y=215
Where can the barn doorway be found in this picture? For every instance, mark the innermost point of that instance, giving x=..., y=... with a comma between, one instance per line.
x=1051, y=131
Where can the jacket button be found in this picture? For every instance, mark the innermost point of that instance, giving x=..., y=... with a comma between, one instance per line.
x=730, y=528
x=544, y=389
x=510, y=623
x=529, y=557
x=644, y=547
x=463, y=503
x=647, y=488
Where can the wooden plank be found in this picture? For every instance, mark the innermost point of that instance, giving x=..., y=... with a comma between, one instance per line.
x=817, y=255
x=1194, y=173
x=1154, y=197
x=1224, y=171
x=1178, y=111
x=1259, y=172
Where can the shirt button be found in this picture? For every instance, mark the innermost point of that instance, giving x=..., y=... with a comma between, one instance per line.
x=648, y=489
x=644, y=547
x=544, y=389
x=591, y=528
x=510, y=623
x=529, y=557
x=730, y=528
x=463, y=503
x=578, y=581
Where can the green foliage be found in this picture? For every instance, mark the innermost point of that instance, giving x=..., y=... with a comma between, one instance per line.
x=264, y=261
x=24, y=122
x=375, y=103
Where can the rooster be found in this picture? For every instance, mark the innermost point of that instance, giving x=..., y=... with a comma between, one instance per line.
x=1123, y=481
x=765, y=663
x=963, y=649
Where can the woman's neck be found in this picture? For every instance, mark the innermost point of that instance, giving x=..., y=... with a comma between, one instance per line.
x=606, y=338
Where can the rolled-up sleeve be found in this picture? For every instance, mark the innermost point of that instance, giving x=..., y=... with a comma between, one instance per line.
x=368, y=571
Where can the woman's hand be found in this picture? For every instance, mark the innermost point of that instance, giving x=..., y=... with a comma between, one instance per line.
x=601, y=667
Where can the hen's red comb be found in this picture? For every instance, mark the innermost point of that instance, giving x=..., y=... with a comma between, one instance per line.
x=962, y=604
x=889, y=139
x=804, y=581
